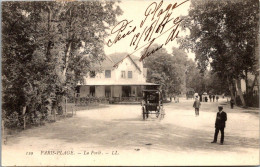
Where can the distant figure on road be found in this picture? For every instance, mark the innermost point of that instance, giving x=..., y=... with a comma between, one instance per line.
x=217, y=98
x=213, y=98
x=232, y=103
x=176, y=99
x=220, y=125
x=196, y=105
x=210, y=98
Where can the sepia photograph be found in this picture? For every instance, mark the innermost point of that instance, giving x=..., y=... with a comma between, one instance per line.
x=130, y=83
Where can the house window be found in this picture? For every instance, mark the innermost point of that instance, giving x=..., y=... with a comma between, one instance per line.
x=108, y=73
x=122, y=74
x=92, y=91
x=92, y=74
x=130, y=74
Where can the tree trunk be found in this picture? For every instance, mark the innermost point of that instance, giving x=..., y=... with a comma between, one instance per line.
x=68, y=47
x=54, y=106
x=65, y=106
x=246, y=80
x=253, y=85
x=54, y=112
x=231, y=89
x=3, y=130
x=239, y=92
x=67, y=53
x=48, y=28
x=24, y=120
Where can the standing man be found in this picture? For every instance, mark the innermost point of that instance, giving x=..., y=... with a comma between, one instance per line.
x=232, y=103
x=213, y=97
x=200, y=97
x=210, y=97
x=217, y=98
x=206, y=99
x=196, y=105
x=220, y=125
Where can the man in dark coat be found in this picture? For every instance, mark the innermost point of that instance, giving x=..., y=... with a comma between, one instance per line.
x=220, y=125
x=232, y=103
x=213, y=97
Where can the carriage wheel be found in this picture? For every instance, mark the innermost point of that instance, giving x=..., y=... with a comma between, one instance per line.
x=158, y=114
x=143, y=113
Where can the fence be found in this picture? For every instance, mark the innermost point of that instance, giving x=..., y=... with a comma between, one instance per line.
x=84, y=101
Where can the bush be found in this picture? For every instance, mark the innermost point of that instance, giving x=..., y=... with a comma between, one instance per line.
x=12, y=121
x=250, y=100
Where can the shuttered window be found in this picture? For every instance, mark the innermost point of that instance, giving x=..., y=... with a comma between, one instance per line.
x=108, y=73
x=130, y=75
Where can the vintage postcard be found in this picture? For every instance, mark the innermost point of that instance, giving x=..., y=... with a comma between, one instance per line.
x=131, y=82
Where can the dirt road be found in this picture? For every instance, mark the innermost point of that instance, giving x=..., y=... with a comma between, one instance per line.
x=117, y=135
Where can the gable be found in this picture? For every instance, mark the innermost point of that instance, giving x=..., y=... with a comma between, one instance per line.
x=131, y=59
x=127, y=63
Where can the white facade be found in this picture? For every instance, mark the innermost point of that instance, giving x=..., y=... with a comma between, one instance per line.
x=138, y=76
x=127, y=79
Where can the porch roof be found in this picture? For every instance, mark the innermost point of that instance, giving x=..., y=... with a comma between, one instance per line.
x=121, y=84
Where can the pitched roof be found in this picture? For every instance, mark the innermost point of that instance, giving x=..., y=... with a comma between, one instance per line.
x=122, y=56
x=112, y=60
x=105, y=64
x=116, y=57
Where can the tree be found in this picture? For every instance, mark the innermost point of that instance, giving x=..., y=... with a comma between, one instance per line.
x=194, y=79
x=48, y=48
x=159, y=68
x=215, y=85
x=180, y=63
x=166, y=69
x=224, y=35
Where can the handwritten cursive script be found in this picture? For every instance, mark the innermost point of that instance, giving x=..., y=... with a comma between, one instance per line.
x=152, y=26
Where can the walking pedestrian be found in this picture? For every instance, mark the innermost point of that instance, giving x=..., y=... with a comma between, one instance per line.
x=217, y=98
x=232, y=103
x=213, y=98
x=210, y=97
x=196, y=105
x=220, y=125
x=177, y=99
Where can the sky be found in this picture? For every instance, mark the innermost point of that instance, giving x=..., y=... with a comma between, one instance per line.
x=134, y=10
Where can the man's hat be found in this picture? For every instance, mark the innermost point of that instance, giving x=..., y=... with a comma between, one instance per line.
x=220, y=106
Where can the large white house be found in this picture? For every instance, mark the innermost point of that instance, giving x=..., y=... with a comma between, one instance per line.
x=119, y=77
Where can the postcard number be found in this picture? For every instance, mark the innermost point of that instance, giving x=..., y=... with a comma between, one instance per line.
x=29, y=153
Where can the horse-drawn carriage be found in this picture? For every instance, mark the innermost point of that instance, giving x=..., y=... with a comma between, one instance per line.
x=152, y=104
